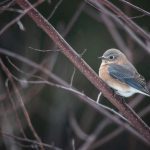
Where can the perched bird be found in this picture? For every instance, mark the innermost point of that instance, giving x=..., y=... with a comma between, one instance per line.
x=118, y=73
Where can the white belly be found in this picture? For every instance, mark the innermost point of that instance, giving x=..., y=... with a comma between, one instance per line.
x=127, y=93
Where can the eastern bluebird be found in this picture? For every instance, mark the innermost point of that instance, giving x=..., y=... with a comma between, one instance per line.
x=116, y=71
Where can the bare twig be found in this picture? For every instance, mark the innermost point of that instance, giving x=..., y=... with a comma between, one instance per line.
x=94, y=135
x=14, y=109
x=74, y=69
x=54, y=10
x=129, y=22
x=98, y=97
x=44, y=50
x=72, y=76
x=9, y=75
x=18, y=17
x=74, y=18
x=73, y=144
x=5, y=1
x=6, y=6
x=30, y=141
x=11, y=9
x=135, y=7
x=77, y=130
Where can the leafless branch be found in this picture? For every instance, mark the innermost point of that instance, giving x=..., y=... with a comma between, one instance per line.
x=54, y=10
x=91, y=138
x=27, y=140
x=129, y=22
x=135, y=7
x=18, y=17
x=9, y=75
x=14, y=109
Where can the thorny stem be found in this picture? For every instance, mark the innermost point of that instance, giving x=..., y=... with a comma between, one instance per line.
x=70, y=53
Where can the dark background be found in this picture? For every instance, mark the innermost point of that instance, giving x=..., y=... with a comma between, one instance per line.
x=51, y=109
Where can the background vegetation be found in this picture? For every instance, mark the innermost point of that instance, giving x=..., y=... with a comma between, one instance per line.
x=59, y=117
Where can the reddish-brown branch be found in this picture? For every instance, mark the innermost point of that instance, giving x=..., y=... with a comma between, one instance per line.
x=135, y=7
x=70, y=53
x=126, y=19
x=27, y=140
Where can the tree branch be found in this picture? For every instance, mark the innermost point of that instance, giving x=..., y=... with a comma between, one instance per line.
x=128, y=21
x=26, y=115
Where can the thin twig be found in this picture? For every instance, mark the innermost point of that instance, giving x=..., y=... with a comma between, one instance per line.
x=7, y=5
x=19, y=17
x=9, y=75
x=136, y=7
x=14, y=109
x=54, y=10
x=29, y=141
x=12, y=10
x=125, y=18
x=91, y=138
x=73, y=144
x=44, y=50
x=3, y=2
x=74, y=69
x=77, y=130
x=98, y=97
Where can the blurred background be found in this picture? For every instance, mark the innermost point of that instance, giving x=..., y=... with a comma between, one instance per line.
x=60, y=118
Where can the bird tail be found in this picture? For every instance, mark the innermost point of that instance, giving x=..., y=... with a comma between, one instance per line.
x=146, y=92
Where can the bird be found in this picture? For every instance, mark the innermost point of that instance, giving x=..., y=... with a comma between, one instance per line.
x=119, y=74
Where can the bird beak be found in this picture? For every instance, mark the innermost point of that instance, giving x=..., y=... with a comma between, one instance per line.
x=102, y=57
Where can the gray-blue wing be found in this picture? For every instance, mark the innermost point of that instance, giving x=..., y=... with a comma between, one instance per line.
x=130, y=77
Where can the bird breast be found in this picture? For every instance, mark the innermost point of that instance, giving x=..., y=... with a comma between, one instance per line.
x=121, y=88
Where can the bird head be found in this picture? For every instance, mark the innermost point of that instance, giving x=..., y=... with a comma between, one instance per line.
x=113, y=56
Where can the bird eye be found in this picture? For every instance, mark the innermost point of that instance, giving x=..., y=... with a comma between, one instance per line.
x=111, y=57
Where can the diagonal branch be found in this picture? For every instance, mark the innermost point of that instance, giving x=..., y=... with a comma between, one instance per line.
x=79, y=63
x=126, y=19
x=135, y=7
x=120, y=22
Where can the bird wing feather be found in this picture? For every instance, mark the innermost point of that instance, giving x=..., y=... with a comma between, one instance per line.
x=128, y=76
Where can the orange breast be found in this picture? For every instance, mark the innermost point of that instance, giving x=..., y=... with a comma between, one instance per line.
x=114, y=83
